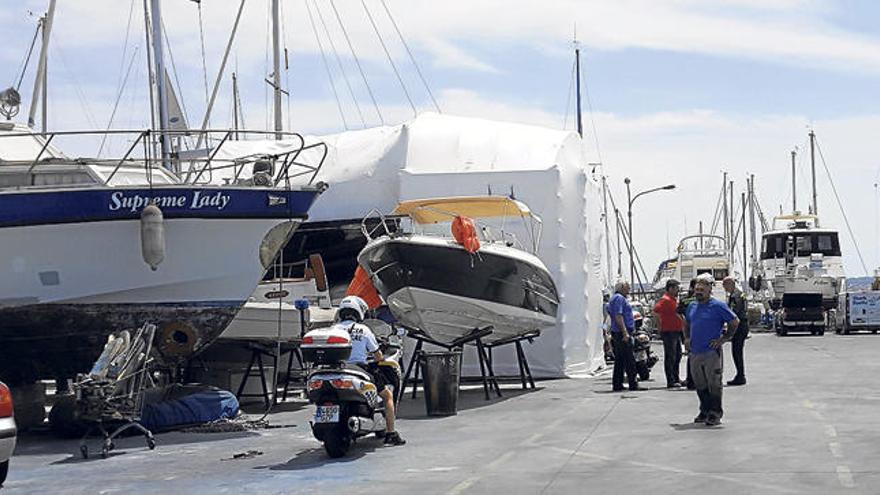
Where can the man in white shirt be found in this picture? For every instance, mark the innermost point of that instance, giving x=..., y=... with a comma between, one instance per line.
x=363, y=345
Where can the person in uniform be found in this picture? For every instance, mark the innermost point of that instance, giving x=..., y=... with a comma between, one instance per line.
x=364, y=345
x=737, y=302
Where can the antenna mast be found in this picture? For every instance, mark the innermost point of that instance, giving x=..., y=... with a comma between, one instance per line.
x=276, y=64
x=161, y=94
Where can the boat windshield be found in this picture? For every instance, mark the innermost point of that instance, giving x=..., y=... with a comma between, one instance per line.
x=800, y=244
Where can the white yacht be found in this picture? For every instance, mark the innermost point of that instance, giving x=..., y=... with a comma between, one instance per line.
x=696, y=255
x=799, y=257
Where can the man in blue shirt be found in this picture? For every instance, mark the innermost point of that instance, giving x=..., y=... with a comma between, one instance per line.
x=708, y=324
x=622, y=324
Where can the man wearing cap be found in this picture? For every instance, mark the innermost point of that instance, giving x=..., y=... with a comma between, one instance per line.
x=671, y=325
x=737, y=302
x=708, y=324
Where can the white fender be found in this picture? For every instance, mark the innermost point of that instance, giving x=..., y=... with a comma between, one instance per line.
x=152, y=236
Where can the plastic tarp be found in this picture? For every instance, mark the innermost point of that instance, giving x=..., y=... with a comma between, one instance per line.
x=438, y=156
x=193, y=409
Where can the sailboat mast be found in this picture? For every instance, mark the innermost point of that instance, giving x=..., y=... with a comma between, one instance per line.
x=793, y=182
x=161, y=92
x=813, y=169
x=41, y=79
x=150, y=75
x=235, y=108
x=752, y=231
x=276, y=64
x=577, y=75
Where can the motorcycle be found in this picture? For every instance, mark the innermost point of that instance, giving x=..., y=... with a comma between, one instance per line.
x=644, y=356
x=347, y=402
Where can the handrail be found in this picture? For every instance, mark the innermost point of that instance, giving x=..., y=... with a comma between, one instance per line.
x=122, y=160
x=37, y=159
x=208, y=163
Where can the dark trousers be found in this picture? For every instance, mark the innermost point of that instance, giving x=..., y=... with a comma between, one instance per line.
x=671, y=355
x=624, y=361
x=707, y=369
x=738, y=342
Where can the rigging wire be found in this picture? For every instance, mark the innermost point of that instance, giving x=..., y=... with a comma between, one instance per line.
x=357, y=61
x=592, y=117
x=568, y=95
x=339, y=62
x=204, y=61
x=326, y=65
x=27, y=59
x=390, y=60
x=840, y=205
x=77, y=86
x=118, y=98
x=411, y=57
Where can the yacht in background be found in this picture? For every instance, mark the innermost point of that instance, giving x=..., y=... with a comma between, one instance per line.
x=696, y=255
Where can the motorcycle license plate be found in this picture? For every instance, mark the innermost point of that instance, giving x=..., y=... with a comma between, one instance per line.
x=641, y=355
x=327, y=414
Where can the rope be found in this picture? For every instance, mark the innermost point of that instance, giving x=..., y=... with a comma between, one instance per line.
x=842, y=212
x=27, y=59
x=204, y=62
x=390, y=60
x=411, y=57
x=83, y=101
x=339, y=62
x=326, y=65
x=357, y=61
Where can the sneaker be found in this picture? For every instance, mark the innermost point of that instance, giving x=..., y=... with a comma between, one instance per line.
x=713, y=420
x=635, y=388
x=394, y=438
x=737, y=381
x=701, y=418
x=673, y=385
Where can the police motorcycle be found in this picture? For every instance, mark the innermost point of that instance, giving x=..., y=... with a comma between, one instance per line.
x=348, y=405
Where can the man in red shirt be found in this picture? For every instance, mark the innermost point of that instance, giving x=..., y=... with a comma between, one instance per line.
x=671, y=325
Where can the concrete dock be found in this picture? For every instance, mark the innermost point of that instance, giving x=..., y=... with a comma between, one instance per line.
x=807, y=422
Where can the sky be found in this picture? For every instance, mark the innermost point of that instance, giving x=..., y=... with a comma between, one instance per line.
x=678, y=90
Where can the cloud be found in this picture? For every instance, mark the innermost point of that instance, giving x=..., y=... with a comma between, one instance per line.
x=448, y=55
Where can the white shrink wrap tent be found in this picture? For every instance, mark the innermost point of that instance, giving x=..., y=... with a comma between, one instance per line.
x=439, y=155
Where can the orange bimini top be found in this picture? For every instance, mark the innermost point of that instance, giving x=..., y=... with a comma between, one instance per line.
x=362, y=286
x=465, y=233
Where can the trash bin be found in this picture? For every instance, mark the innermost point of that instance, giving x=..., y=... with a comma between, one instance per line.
x=441, y=373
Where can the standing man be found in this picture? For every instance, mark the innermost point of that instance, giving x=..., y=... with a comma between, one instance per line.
x=671, y=324
x=708, y=324
x=622, y=324
x=737, y=302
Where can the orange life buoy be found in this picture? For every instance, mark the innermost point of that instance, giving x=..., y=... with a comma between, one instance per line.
x=465, y=233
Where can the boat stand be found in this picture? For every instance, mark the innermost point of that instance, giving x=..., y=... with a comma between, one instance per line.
x=256, y=368
x=525, y=374
x=475, y=337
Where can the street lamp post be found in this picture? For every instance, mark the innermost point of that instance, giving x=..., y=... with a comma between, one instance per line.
x=629, y=217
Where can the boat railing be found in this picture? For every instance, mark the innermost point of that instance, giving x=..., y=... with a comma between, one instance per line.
x=188, y=166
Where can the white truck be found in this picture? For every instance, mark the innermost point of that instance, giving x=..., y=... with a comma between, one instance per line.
x=858, y=310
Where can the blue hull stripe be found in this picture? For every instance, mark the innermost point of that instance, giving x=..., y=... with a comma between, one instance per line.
x=45, y=207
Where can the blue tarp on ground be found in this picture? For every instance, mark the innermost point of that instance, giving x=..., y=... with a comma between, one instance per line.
x=197, y=408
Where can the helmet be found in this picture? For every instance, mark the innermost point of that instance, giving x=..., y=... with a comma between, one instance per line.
x=354, y=306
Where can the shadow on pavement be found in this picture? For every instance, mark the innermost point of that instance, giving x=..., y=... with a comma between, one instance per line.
x=693, y=426
x=470, y=398
x=316, y=457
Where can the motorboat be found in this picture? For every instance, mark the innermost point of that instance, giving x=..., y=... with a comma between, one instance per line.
x=82, y=259
x=695, y=255
x=799, y=257
x=434, y=285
